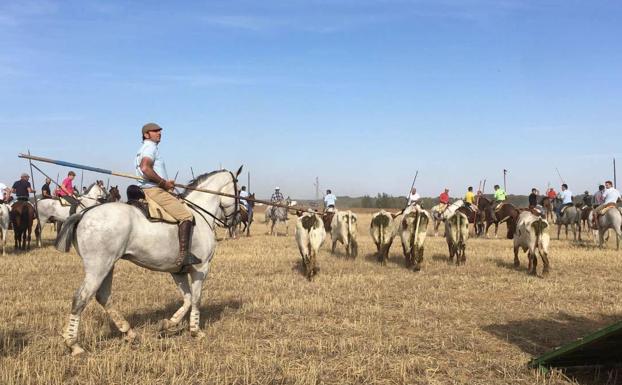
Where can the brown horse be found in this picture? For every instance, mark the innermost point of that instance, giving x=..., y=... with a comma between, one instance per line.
x=476, y=218
x=507, y=213
x=113, y=194
x=243, y=218
x=22, y=217
x=549, y=210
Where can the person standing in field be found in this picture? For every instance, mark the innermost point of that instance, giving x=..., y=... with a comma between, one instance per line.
x=157, y=187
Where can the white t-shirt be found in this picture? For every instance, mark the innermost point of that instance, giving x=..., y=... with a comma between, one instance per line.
x=243, y=194
x=566, y=196
x=413, y=198
x=611, y=195
x=330, y=199
x=150, y=150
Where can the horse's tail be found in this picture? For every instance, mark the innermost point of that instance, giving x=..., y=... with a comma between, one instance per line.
x=67, y=232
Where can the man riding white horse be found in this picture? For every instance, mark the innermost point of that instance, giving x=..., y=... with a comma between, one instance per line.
x=413, y=198
x=610, y=197
x=157, y=187
x=566, y=197
x=329, y=201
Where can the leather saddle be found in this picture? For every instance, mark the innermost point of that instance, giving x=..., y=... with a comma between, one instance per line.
x=150, y=209
x=70, y=201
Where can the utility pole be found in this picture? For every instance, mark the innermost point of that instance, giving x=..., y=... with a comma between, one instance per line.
x=615, y=177
x=317, y=188
x=505, y=188
x=248, y=186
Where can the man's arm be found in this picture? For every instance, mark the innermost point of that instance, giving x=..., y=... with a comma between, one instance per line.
x=146, y=167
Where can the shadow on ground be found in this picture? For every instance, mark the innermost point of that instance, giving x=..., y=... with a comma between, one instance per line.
x=538, y=336
x=12, y=342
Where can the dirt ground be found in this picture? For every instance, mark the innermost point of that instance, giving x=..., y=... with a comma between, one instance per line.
x=357, y=323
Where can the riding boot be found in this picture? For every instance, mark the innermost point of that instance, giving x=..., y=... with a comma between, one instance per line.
x=186, y=258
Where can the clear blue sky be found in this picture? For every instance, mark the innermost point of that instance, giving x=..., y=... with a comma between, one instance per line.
x=360, y=93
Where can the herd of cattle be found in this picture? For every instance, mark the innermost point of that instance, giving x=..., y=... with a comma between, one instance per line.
x=528, y=229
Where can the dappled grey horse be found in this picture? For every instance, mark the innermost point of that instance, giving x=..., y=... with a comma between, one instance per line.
x=277, y=214
x=571, y=216
x=611, y=219
x=107, y=233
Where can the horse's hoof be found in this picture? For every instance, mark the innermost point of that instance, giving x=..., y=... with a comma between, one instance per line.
x=76, y=350
x=130, y=336
x=198, y=334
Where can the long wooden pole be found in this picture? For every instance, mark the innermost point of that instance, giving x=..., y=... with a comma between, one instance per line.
x=34, y=190
x=615, y=176
x=130, y=176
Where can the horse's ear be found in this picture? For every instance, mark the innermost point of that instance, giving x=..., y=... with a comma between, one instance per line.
x=239, y=171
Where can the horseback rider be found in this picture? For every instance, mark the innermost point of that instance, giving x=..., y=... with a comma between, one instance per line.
x=566, y=197
x=413, y=198
x=67, y=191
x=244, y=202
x=551, y=194
x=469, y=199
x=533, y=198
x=45, y=189
x=329, y=201
x=498, y=197
x=610, y=197
x=587, y=199
x=598, y=199
x=22, y=188
x=157, y=187
x=443, y=199
x=277, y=196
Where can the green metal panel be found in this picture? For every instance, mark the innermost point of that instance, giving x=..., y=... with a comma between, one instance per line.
x=603, y=348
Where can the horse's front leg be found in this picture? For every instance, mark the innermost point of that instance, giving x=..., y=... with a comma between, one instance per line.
x=181, y=280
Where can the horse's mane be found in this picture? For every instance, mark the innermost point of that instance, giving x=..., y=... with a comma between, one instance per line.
x=88, y=189
x=194, y=183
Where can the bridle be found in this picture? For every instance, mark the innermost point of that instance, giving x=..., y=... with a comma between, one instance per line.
x=229, y=219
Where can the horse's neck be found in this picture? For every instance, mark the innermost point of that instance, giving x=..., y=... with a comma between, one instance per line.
x=93, y=193
x=208, y=201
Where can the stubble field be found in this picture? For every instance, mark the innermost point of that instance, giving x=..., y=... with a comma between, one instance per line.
x=357, y=323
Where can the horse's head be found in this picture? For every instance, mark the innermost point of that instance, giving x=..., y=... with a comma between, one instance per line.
x=223, y=181
x=114, y=194
x=96, y=192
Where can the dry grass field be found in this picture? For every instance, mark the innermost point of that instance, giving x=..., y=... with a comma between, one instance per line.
x=357, y=323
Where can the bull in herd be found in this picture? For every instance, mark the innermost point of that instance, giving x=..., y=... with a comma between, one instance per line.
x=310, y=235
x=413, y=229
x=532, y=235
x=343, y=229
x=382, y=232
x=456, y=234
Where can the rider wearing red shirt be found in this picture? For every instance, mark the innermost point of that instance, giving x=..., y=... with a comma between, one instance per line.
x=551, y=194
x=444, y=197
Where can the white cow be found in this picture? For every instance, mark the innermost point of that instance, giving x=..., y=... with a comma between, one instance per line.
x=382, y=231
x=310, y=235
x=532, y=234
x=441, y=212
x=343, y=229
x=413, y=230
x=456, y=234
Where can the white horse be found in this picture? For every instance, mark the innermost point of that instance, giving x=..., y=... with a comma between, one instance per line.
x=439, y=215
x=612, y=219
x=274, y=215
x=107, y=233
x=4, y=225
x=51, y=209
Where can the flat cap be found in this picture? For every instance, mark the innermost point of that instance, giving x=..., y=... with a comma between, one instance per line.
x=151, y=127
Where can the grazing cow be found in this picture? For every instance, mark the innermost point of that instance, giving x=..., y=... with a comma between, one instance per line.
x=456, y=234
x=382, y=232
x=310, y=235
x=532, y=234
x=413, y=230
x=344, y=230
x=4, y=224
